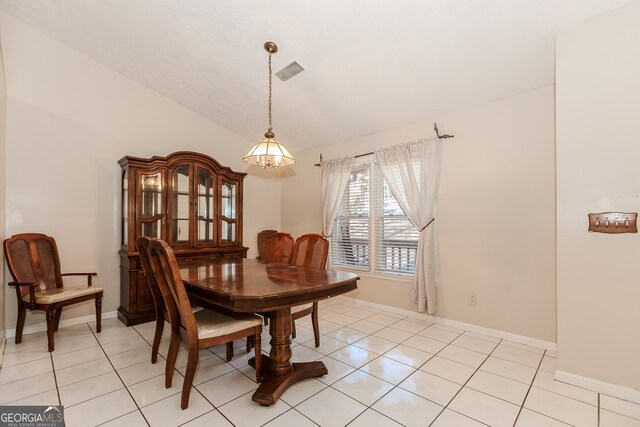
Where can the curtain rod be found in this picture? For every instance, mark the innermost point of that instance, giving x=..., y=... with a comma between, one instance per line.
x=435, y=127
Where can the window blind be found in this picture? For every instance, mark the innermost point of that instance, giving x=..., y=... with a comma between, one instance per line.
x=395, y=238
x=350, y=238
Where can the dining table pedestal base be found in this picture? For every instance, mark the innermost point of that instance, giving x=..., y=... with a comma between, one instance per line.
x=273, y=385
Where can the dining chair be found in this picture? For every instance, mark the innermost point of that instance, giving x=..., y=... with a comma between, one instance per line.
x=278, y=248
x=263, y=237
x=277, y=251
x=34, y=264
x=158, y=301
x=311, y=250
x=199, y=330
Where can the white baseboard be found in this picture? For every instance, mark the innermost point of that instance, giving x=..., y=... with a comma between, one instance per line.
x=40, y=327
x=619, y=391
x=521, y=339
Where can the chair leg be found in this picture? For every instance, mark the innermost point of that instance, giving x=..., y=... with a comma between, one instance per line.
x=229, y=350
x=157, y=336
x=316, y=326
x=293, y=328
x=56, y=320
x=257, y=338
x=50, y=316
x=22, y=315
x=172, y=355
x=98, y=314
x=249, y=343
x=192, y=363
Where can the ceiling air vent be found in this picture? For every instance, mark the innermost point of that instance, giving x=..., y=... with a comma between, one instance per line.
x=289, y=71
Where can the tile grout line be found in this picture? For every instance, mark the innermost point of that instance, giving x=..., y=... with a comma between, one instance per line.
x=395, y=386
x=120, y=378
x=355, y=369
x=55, y=378
x=358, y=368
x=465, y=383
x=529, y=389
x=215, y=409
x=382, y=379
x=558, y=394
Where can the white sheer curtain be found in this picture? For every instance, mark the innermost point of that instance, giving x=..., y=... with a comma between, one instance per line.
x=412, y=172
x=335, y=176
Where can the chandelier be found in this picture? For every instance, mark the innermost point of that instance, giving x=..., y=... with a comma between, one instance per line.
x=269, y=152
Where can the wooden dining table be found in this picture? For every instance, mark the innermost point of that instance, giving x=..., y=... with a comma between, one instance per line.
x=249, y=286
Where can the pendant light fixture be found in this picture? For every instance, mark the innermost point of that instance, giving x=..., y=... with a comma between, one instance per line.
x=269, y=152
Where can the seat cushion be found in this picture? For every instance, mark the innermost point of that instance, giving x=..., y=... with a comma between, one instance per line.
x=51, y=296
x=299, y=308
x=212, y=324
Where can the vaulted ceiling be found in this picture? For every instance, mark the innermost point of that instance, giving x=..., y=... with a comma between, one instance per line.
x=369, y=64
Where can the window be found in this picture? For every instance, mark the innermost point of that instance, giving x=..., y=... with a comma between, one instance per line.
x=350, y=239
x=371, y=232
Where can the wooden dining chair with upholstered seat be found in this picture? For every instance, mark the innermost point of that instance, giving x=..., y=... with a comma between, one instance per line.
x=34, y=264
x=158, y=300
x=311, y=250
x=202, y=329
x=278, y=248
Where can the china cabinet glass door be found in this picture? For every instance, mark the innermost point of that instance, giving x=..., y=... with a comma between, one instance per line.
x=228, y=212
x=151, y=205
x=180, y=205
x=205, y=207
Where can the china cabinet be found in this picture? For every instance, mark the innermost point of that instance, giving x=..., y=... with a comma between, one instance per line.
x=187, y=199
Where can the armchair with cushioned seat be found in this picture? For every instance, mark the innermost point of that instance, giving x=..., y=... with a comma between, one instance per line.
x=34, y=264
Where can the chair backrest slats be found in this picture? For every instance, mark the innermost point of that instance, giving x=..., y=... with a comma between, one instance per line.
x=167, y=275
x=33, y=257
x=310, y=250
x=278, y=249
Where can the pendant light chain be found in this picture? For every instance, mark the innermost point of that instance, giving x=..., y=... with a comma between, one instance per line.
x=270, y=124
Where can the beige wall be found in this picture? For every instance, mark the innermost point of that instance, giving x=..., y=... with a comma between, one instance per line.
x=3, y=133
x=69, y=121
x=496, y=213
x=598, y=147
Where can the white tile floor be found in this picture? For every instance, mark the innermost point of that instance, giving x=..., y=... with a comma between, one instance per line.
x=385, y=369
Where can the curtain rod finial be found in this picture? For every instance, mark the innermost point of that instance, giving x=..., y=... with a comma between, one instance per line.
x=444, y=136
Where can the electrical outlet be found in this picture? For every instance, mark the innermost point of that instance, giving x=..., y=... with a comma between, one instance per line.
x=471, y=298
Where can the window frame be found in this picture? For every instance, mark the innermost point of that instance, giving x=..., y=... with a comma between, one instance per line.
x=374, y=232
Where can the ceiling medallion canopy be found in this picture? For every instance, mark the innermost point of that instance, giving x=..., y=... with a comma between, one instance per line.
x=269, y=152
